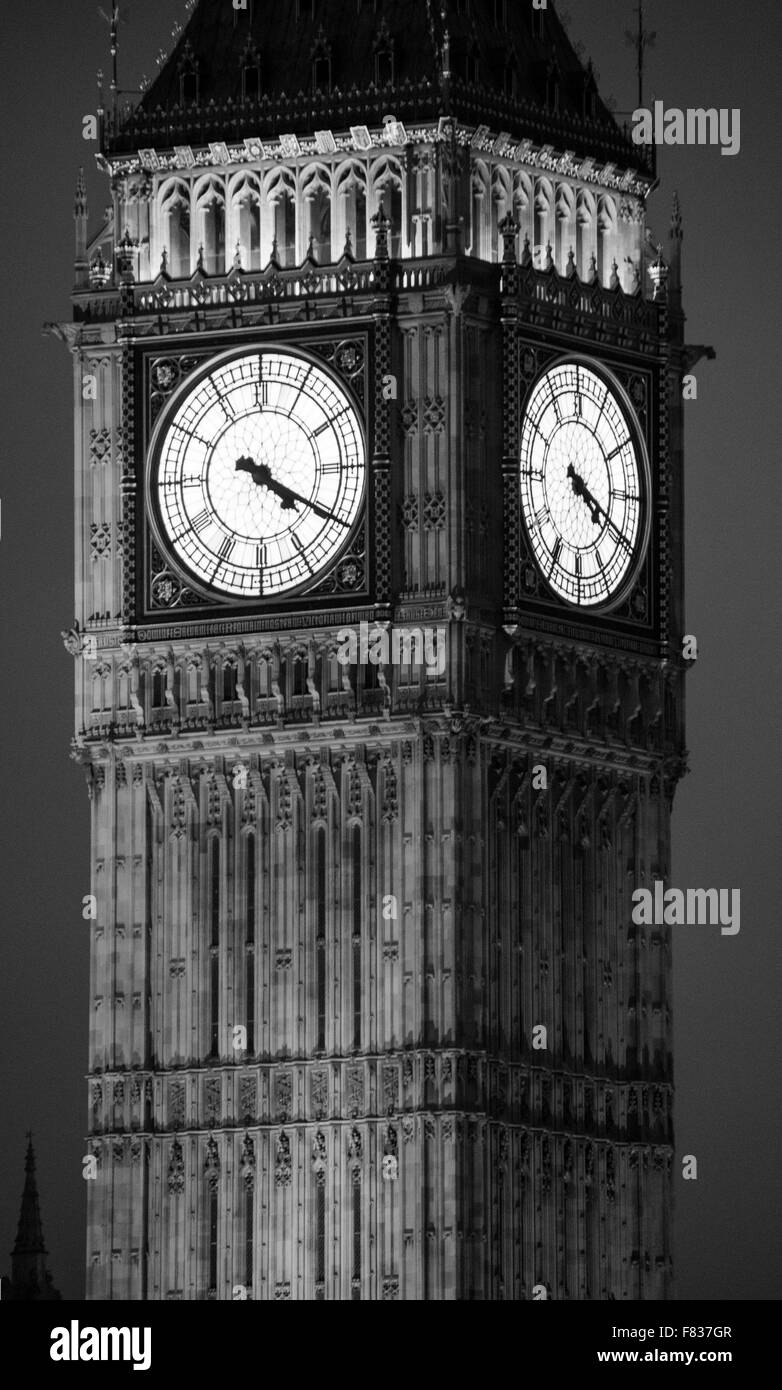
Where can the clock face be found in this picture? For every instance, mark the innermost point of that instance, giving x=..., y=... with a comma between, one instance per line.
x=581, y=485
x=259, y=476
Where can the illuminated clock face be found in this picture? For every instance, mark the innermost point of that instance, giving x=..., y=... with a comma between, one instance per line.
x=260, y=475
x=581, y=485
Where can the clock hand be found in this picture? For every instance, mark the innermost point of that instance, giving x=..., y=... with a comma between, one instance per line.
x=581, y=490
x=262, y=476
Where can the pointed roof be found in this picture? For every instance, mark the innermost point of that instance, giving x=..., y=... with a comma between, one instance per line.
x=29, y=1234
x=30, y=1277
x=505, y=65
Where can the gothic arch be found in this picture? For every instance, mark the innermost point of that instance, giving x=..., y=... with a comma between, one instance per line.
x=209, y=206
x=352, y=207
x=501, y=205
x=606, y=237
x=278, y=216
x=480, y=211
x=174, y=221
x=244, y=203
x=586, y=213
x=543, y=215
x=386, y=182
x=565, y=216
x=522, y=206
x=316, y=198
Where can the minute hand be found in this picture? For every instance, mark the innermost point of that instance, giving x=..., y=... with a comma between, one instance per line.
x=286, y=494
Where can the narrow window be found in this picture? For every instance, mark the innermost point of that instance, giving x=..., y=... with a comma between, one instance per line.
x=320, y=936
x=229, y=684
x=250, y=232
x=321, y=1239
x=285, y=229
x=384, y=68
x=213, y=1240
x=300, y=672
x=357, y=952
x=214, y=236
x=188, y=88
x=248, y=1236
x=149, y=887
x=356, y=1280
x=321, y=74
x=251, y=80
x=320, y=226
x=250, y=945
x=178, y=238
x=214, y=947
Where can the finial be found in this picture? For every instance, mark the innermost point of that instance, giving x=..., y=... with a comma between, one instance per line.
x=100, y=272
x=549, y=257
x=164, y=262
x=593, y=277
x=237, y=265
x=659, y=274
x=615, y=281
x=125, y=250
x=570, y=269
x=200, y=261
x=526, y=254
x=509, y=230
x=275, y=256
x=348, y=251
x=381, y=225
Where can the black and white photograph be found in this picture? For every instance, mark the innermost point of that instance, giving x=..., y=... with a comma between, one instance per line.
x=389, y=578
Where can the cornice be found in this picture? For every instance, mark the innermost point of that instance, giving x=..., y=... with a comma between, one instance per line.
x=391, y=138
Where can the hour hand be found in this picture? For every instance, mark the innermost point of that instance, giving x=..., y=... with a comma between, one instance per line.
x=261, y=475
x=581, y=490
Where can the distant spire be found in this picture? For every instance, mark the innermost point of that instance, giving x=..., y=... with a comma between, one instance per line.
x=640, y=41
x=30, y=1278
x=80, y=198
x=677, y=231
x=81, y=268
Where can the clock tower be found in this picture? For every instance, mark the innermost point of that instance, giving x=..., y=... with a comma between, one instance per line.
x=375, y=349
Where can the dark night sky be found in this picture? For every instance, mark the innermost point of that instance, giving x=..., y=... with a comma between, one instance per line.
x=726, y=821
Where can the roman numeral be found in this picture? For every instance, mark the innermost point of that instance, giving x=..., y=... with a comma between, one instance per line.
x=202, y=520
x=297, y=543
x=541, y=516
x=227, y=548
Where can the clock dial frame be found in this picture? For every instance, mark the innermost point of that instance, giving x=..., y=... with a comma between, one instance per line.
x=584, y=484
x=271, y=528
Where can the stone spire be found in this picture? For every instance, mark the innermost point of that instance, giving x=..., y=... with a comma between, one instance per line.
x=30, y=1277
